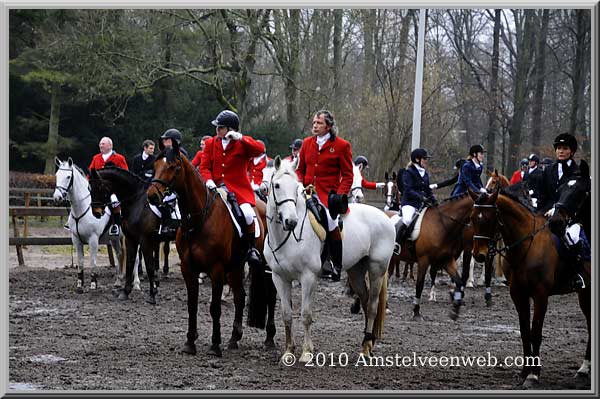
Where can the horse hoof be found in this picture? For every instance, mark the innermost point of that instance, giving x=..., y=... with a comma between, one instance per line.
x=137, y=287
x=123, y=296
x=417, y=317
x=469, y=284
x=233, y=345
x=306, y=357
x=151, y=299
x=269, y=344
x=532, y=381
x=79, y=290
x=454, y=315
x=488, y=300
x=215, y=350
x=355, y=308
x=387, y=311
x=189, y=348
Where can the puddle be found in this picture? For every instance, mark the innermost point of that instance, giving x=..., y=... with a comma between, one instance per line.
x=46, y=359
x=23, y=386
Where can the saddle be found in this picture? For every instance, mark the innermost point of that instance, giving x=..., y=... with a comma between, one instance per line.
x=237, y=216
x=318, y=217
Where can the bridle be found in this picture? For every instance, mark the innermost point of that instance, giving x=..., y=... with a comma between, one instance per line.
x=167, y=184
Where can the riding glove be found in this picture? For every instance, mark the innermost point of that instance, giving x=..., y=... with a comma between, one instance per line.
x=234, y=135
x=433, y=186
x=211, y=185
x=379, y=185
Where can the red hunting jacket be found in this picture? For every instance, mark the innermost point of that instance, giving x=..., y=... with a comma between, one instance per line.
x=255, y=171
x=98, y=162
x=197, y=159
x=230, y=166
x=328, y=169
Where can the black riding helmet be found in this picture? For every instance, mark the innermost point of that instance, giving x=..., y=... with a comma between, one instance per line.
x=524, y=162
x=418, y=153
x=172, y=134
x=547, y=161
x=566, y=139
x=534, y=158
x=296, y=145
x=475, y=149
x=227, y=119
x=361, y=159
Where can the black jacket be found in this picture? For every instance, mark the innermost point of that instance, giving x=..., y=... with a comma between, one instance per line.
x=144, y=169
x=550, y=183
x=534, y=181
x=416, y=188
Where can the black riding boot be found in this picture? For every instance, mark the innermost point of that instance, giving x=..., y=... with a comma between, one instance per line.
x=400, y=233
x=253, y=256
x=167, y=227
x=335, y=250
x=578, y=282
x=115, y=229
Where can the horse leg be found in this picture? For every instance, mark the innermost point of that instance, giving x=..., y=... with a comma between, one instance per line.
x=489, y=264
x=191, y=284
x=468, y=269
x=421, y=271
x=120, y=266
x=271, y=302
x=79, y=248
x=284, y=290
x=136, y=270
x=131, y=253
x=236, y=283
x=356, y=277
x=432, y=274
x=458, y=290
x=215, y=314
x=585, y=304
x=138, y=262
x=521, y=300
x=93, y=245
x=375, y=286
x=540, y=305
x=148, y=252
x=308, y=283
x=166, y=249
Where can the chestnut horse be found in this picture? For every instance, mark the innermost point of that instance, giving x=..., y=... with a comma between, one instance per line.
x=536, y=269
x=207, y=241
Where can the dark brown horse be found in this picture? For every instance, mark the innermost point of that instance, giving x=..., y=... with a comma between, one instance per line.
x=207, y=241
x=536, y=269
x=439, y=244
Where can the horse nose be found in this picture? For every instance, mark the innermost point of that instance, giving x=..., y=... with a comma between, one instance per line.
x=290, y=224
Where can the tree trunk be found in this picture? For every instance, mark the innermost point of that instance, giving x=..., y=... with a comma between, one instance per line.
x=291, y=93
x=492, y=111
x=520, y=92
x=577, y=124
x=52, y=143
x=540, y=74
x=337, y=57
x=368, y=50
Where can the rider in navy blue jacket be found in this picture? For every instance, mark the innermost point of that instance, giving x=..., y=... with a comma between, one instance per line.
x=416, y=190
x=470, y=172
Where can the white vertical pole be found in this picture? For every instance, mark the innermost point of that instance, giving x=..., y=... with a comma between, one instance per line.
x=416, y=134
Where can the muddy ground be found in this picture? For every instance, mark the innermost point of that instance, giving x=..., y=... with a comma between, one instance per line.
x=67, y=341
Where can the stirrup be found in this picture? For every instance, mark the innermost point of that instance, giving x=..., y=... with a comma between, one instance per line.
x=578, y=282
x=397, y=249
x=114, y=230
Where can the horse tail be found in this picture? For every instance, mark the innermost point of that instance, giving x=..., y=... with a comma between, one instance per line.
x=259, y=290
x=380, y=318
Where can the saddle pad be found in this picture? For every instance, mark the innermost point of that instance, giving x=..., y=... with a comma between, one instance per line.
x=223, y=195
x=565, y=253
x=415, y=233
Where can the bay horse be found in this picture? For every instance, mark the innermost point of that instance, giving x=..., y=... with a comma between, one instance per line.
x=293, y=252
x=207, y=241
x=574, y=203
x=140, y=224
x=441, y=240
x=537, y=271
x=85, y=228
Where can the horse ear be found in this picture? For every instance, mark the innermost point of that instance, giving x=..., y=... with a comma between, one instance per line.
x=57, y=161
x=495, y=172
x=393, y=175
x=386, y=176
x=473, y=195
x=277, y=162
x=70, y=160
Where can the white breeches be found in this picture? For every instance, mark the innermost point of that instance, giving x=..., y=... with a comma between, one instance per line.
x=248, y=212
x=572, y=234
x=408, y=211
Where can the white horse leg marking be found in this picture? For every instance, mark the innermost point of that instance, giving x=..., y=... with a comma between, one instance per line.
x=284, y=290
x=471, y=281
x=93, y=245
x=584, y=370
x=432, y=294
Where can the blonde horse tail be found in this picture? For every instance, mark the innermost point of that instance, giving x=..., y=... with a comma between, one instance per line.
x=380, y=318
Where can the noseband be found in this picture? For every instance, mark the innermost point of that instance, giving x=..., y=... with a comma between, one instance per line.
x=168, y=185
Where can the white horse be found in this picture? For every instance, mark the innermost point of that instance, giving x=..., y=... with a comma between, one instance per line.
x=85, y=228
x=356, y=191
x=293, y=252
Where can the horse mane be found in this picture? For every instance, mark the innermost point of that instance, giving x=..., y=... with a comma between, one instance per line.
x=127, y=173
x=454, y=197
x=518, y=193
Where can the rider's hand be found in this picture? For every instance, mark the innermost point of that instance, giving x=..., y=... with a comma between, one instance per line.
x=254, y=186
x=482, y=190
x=234, y=135
x=433, y=186
x=380, y=185
x=211, y=185
x=550, y=212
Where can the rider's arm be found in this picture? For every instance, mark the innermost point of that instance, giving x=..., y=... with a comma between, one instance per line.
x=448, y=182
x=346, y=169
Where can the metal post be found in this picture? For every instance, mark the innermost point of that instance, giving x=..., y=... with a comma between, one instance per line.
x=416, y=134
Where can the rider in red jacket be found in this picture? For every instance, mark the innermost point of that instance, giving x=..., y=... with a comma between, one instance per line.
x=325, y=161
x=225, y=162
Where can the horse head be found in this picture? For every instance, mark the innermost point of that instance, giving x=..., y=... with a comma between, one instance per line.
x=391, y=190
x=167, y=174
x=356, y=192
x=283, y=195
x=496, y=180
x=484, y=217
x=64, y=179
x=571, y=196
x=101, y=191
